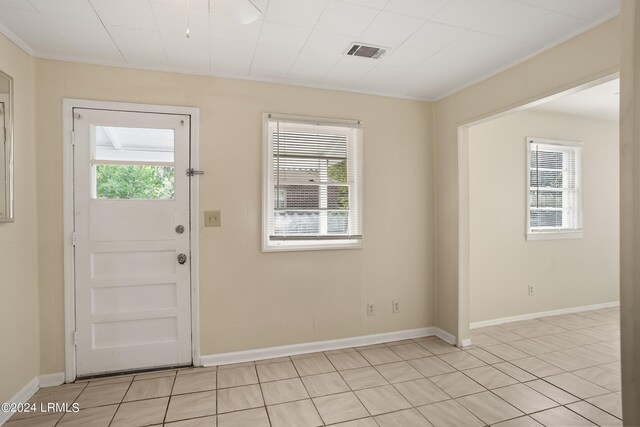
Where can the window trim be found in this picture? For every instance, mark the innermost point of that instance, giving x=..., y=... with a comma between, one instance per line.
x=552, y=234
x=269, y=245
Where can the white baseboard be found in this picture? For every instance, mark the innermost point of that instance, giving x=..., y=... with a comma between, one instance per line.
x=48, y=380
x=51, y=380
x=313, y=347
x=494, y=322
x=20, y=397
x=444, y=336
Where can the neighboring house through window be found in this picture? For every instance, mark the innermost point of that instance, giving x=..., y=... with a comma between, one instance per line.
x=554, y=208
x=312, y=183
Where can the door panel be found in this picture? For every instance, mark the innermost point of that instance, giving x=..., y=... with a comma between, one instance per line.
x=134, y=298
x=111, y=220
x=133, y=306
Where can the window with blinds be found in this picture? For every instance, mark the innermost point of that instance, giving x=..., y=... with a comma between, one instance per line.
x=312, y=183
x=554, y=187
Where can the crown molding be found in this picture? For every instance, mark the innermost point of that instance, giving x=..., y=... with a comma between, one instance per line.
x=17, y=40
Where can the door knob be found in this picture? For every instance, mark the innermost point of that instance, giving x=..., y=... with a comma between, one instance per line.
x=180, y=229
x=182, y=258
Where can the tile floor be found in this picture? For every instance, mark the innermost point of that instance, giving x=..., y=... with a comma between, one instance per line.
x=554, y=371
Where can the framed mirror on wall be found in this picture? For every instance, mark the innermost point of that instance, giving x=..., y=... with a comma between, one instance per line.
x=6, y=148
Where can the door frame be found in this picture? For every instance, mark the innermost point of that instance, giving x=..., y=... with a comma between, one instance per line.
x=463, y=339
x=68, y=206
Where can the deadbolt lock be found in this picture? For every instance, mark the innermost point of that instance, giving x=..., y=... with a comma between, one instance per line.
x=182, y=258
x=180, y=229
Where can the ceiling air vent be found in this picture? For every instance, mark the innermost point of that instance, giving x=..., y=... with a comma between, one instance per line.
x=365, y=51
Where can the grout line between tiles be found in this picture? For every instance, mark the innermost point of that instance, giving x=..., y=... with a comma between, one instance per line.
x=119, y=404
x=264, y=401
x=350, y=389
x=166, y=411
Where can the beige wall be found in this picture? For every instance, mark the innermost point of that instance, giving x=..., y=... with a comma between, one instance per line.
x=18, y=255
x=589, y=56
x=630, y=212
x=564, y=273
x=251, y=299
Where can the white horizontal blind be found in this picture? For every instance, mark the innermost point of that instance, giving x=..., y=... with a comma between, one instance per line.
x=314, y=180
x=554, y=187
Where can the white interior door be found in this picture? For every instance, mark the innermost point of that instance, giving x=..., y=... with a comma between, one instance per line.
x=132, y=286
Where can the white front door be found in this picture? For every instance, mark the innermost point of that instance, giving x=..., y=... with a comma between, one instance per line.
x=132, y=239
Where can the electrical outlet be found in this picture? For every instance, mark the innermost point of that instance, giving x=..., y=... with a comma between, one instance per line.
x=370, y=309
x=530, y=290
x=212, y=219
x=395, y=306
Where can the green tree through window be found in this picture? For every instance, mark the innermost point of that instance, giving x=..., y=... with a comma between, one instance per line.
x=338, y=173
x=134, y=182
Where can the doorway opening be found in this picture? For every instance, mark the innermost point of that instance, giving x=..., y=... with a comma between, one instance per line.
x=524, y=229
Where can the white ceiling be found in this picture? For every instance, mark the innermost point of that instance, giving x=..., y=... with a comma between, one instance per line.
x=436, y=46
x=597, y=102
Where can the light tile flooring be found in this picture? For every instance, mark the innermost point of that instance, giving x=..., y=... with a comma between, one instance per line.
x=555, y=371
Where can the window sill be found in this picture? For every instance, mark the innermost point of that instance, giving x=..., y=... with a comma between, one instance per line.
x=554, y=235
x=313, y=245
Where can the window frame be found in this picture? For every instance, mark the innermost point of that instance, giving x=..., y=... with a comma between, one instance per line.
x=557, y=233
x=269, y=245
x=95, y=161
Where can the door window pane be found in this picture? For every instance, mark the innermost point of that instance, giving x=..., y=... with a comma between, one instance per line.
x=135, y=182
x=133, y=163
x=134, y=144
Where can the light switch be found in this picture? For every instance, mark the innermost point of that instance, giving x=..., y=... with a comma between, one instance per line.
x=212, y=219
